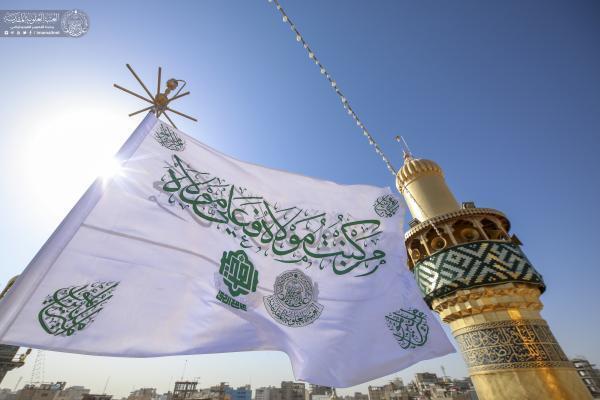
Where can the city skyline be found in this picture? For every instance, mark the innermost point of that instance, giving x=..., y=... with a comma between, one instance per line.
x=202, y=383
x=167, y=380
x=504, y=96
x=185, y=387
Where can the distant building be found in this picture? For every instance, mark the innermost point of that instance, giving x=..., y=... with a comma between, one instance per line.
x=589, y=375
x=9, y=359
x=268, y=393
x=376, y=393
x=143, y=394
x=7, y=394
x=72, y=393
x=43, y=391
x=425, y=379
x=395, y=390
x=318, y=390
x=217, y=392
x=185, y=390
x=89, y=396
x=241, y=393
x=188, y=390
x=425, y=386
x=292, y=390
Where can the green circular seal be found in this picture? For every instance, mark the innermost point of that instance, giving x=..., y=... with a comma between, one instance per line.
x=294, y=300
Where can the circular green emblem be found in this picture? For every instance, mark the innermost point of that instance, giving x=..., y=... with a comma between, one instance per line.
x=294, y=289
x=294, y=302
x=386, y=206
x=168, y=138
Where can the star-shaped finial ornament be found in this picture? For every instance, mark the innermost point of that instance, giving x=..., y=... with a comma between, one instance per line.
x=160, y=101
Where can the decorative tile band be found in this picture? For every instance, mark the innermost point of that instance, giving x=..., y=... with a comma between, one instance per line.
x=471, y=265
x=510, y=345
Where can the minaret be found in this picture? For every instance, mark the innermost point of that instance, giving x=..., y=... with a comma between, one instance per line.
x=477, y=278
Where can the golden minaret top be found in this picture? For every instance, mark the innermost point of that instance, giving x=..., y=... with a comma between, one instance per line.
x=477, y=278
x=423, y=185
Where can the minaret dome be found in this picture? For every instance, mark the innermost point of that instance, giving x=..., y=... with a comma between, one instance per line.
x=422, y=184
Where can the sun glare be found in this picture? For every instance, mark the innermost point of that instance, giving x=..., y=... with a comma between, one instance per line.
x=110, y=167
x=66, y=152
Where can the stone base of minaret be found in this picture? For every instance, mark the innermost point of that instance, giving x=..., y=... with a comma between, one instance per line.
x=509, y=349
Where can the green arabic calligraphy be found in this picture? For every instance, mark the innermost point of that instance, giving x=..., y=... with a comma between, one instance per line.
x=168, y=138
x=225, y=299
x=409, y=327
x=238, y=273
x=386, y=206
x=291, y=234
x=71, y=309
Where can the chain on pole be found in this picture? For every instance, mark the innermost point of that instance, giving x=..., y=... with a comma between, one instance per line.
x=345, y=103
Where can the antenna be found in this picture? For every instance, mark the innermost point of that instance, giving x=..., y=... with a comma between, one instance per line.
x=106, y=385
x=17, y=384
x=37, y=373
x=184, y=368
x=170, y=383
x=405, y=148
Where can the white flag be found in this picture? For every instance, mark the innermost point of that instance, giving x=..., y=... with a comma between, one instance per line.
x=189, y=251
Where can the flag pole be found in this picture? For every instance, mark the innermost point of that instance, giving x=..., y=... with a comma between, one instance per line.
x=29, y=280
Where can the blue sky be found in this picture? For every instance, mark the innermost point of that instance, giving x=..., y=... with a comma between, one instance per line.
x=504, y=95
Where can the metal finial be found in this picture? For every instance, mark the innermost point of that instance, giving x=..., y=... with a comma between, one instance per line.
x=405, y=148
x=160, y=101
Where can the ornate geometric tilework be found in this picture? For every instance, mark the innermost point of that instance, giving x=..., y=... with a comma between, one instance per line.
x=510, y=345
x=471, y=265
